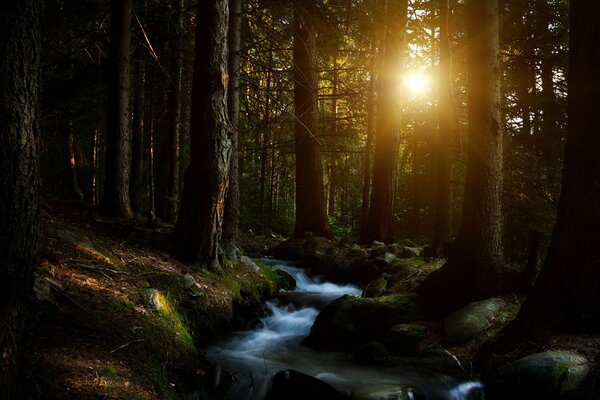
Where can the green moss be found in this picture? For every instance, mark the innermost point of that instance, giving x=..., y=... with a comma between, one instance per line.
x=109, y=371
x=85, y=245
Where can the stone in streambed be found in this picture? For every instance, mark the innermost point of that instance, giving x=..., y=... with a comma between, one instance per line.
x=465, y=324
x=550, y=373
x=294, y=385
x=404, y=339
x=349, y=322
x=387, y=392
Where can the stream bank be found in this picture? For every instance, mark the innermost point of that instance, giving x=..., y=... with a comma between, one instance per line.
x=116, y=317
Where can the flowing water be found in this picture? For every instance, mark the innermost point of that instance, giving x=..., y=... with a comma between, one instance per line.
x=274, y=346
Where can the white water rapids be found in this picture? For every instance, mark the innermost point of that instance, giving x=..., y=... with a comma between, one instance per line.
x=275, y=346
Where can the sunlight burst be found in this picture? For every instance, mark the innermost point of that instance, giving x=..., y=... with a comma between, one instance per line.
x=416, y=82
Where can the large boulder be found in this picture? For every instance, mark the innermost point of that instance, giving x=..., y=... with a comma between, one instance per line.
x=294, y=385
x=408, y=252
x=465, y=324
x=547, y=375
x=292, y=249
x=404, y=339
x=387, y=392
x=362, y=271
x=349, y=322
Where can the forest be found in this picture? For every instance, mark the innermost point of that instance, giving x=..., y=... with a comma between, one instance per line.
x=300, y=199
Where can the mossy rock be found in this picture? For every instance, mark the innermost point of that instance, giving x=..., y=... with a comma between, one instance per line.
x=370, y=352
x=357, y=252
x=349, y=322
x=404, y=339
x=465, y=324
x=547, y=374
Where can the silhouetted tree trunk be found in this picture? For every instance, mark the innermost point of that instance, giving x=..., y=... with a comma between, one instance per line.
x=72, y=184
x=136, y=183
x=366, y=189
x=19, y=71
x=475, y=271
x=442, y=231
x=232, y=206
x=175, y=115
x=380, y=223
x=310, y=200
x=567, y=292
x=115, y=200
x=200, y=221
x=334, y=140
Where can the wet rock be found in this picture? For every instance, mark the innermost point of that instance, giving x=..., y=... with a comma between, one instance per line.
x=376, y=243
x=249, y=263
x=349, y=322
x=376, y=288
x=370, y=352
x=294, y=385
x=362, y=271
x=284, y=280
x=465, y=324
x=387, y=392
x=404, y=339
x=292, y=249
x=329, y=266
x=550, y=373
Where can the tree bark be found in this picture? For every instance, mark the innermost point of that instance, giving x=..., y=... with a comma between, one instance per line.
x=175, y=116
x=476, y=270
x=200, y=222
x=366, y=189
x=136, y=183
x=381, y=220
x=311, y=214
x=442, y=231
x=232, y=206
x=567, y=293
x=20, y=44
x=115, y=200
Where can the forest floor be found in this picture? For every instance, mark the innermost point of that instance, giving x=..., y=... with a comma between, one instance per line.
x=115, y=318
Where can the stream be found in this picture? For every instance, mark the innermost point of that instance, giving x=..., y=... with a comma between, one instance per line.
x=275, y=345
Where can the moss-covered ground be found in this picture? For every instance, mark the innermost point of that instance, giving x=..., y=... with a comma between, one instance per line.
x=94, y=334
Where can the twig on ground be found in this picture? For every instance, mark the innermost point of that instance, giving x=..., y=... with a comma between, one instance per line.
x=125, y=345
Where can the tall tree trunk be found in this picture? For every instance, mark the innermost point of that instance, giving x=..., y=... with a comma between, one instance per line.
x=310, y=200
x=175, y=116
x=20, y=74
x=72, y=184
x=366, y=189
x=567, y=291
x=476, y=270
x=149, y=148
x=264, y=147
x=442, y=230
x=115, y=200
x=333, y=133
x=232, y=206
x=136, y=183
x=381, y=221
x=200, y=222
